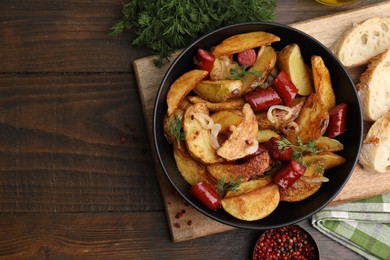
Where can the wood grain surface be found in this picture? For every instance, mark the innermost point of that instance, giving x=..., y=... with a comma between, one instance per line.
x=70, y=186
x=362, y=184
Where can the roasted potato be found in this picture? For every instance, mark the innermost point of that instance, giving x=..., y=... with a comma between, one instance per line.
x=218, y=90
x=291, y=61
x=312, y=120
x=181, y=87
x=327, y=144
x=236, y=103
x=197, y=137
x=307, y=185
x=322, y=81
x=330, y=159
x=242, y=42
x=261, y=69
x=221, y=67
x=227, y=118
x=257, y=202
x=191, y=170
x=263, y=135
x=240, y=172
x=243, y=139
x=169, y=122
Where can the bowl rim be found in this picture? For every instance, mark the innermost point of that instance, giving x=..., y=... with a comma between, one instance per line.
x=207, y=212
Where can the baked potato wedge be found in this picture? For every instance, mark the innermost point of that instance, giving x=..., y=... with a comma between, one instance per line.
x=198, y=138
x=240, y=172
x=191, y=170
x=170, y=122
x=181, y=87
x=221, y=67
x=261, y=69
x=322, y=81
x=330, y=159
x=291, y=61
x=312, y=120
x=218, y=90
x=263, y=135
x=226, y=118
x=306, y=186
x=256, y=200
x=327, y=144
x=243, y=139
x=236, y=103
x=241, y=42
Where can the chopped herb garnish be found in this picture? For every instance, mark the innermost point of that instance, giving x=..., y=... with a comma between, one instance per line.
x=299, y=149
x=224, y=185
x=238, y=72
x=176, y=127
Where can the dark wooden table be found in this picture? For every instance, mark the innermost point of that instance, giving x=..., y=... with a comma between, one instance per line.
x=77, y=178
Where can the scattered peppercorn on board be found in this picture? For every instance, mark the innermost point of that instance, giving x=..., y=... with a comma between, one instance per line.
x=187, y=223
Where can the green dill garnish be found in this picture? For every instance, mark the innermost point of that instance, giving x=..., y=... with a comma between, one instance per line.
x=320, y=166
x=224, y=185
x=168, y=25
x=176, y=127
x=299, y=149
x=238, y=72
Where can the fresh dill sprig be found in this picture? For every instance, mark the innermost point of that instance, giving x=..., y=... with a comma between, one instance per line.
x=176, y=127
x=238, y=72
x=224, y=185
x=168, y=25
x=299, y=149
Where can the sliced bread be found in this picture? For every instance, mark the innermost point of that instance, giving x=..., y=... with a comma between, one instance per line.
x=375, y=152
x=374, y=87
x=363, y=40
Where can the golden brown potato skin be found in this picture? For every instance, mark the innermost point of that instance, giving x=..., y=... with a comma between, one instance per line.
x=218, y=90
x=234, y=103
x=312, y=120
x=257, y=202
x=181, y=87
x=299, y=191
x=322, y=82
x=265, y=63
x=227, y=118
x=235, y=147
x=291, y=61
x=241, y=42
x=305, y=186
x=330, y=159
x=198, y=138
x=191, y=170
x=241, y=172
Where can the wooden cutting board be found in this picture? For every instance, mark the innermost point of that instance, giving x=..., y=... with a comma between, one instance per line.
x=187, y=223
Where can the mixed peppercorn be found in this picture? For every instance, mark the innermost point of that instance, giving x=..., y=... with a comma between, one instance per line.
x=289, y=242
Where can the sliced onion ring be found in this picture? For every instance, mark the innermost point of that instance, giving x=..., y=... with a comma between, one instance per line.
x=253, y=147
x=272, y=118
x=214, y=136
x=205, y=120
x=293, y=126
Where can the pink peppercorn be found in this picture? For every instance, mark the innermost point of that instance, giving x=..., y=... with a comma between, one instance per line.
x=288, y=242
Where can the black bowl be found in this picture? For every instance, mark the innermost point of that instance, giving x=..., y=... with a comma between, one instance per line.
x=286, y=213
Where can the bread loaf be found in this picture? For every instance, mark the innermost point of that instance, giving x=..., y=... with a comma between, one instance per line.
x=374, y=87
x=375, y=152
x=363, y=40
